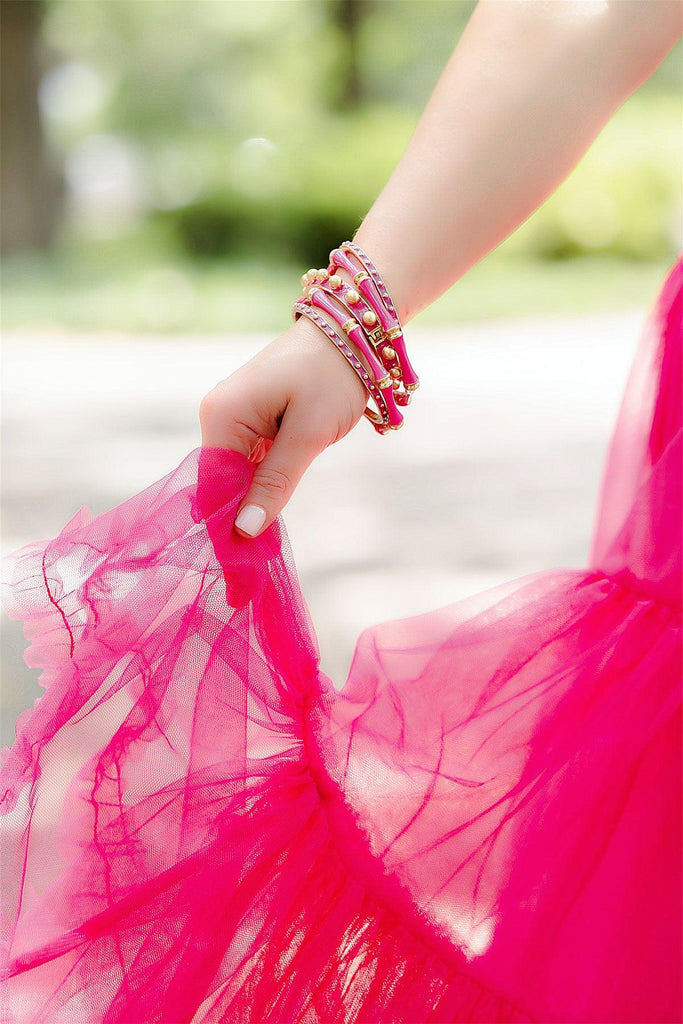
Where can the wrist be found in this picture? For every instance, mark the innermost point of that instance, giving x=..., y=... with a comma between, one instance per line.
x=302, y=327
x=391, y=270
x=313, y=337
x=350, y=297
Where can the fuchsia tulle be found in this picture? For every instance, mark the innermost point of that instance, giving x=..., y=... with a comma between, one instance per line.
x=484, y=824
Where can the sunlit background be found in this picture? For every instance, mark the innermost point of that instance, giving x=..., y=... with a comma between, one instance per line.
x=163, y=159
x=169, y=169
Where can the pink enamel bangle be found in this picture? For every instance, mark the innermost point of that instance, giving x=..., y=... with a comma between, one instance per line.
x=365, y=284
x=370, y=282
x=333, y=304
x=327, y=301
x=380, y=419
x=376, y=347
x=369, y=321
x=389, y=354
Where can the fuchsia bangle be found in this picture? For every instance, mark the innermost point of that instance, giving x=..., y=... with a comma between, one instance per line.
x=369, y=281
x=327, y=300
x=380, y=419
x=367, y=315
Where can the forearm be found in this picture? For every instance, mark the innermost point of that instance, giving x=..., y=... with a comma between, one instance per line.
x=527, y=89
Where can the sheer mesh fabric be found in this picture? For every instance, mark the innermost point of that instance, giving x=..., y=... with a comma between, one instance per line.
x=482, y=824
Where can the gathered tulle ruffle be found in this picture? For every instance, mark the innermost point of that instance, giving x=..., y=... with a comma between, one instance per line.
x=483, y=824
x=188, y=845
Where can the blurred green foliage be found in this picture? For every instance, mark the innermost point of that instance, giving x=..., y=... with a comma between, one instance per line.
x=255, y=133
x=293, y=202
x=624, y=196
x=132, y=285
x=622, y=199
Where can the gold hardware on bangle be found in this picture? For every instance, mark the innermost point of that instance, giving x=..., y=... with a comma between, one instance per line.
x=385, y=356
x=375, y=335
x=373, y=416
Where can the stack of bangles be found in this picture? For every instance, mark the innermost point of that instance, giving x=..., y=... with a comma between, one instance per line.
x=367, y=316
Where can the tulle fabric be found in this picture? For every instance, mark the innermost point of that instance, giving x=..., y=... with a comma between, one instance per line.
x=482, y=824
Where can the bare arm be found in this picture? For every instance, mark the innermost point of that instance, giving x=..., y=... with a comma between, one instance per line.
x=528, y=87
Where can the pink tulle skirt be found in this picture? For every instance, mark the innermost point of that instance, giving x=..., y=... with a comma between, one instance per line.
x=483, y=824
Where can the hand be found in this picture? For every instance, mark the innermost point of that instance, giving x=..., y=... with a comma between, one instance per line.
x=286, y=405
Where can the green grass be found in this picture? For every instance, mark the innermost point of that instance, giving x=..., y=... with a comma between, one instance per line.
x=115, y=288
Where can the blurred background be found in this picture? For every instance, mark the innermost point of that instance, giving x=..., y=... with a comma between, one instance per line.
x=169, y=169
x=162, y=158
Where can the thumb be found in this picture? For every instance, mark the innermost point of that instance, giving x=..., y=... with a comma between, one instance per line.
x=276, y=476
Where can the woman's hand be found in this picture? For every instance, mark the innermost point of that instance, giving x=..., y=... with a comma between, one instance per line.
x=286, y=405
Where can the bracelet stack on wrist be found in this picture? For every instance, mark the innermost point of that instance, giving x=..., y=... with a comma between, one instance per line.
x=366, y=314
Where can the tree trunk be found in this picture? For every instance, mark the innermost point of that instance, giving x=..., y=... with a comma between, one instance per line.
x=347, y=14
x=28, y=180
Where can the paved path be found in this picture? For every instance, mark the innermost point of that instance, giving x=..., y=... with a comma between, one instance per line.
x=494, y=475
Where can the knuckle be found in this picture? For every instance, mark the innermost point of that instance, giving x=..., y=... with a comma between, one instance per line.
x=209, y=405
x=314, y=430
x=319, y=436
x=273, y=481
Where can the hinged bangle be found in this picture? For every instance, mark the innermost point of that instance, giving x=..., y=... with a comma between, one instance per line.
x=380, y=420
x=377, y=294
x=366, y=313
x=360, y=321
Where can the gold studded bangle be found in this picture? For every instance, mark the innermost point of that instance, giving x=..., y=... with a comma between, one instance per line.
x=367, y=315
x=380, y=419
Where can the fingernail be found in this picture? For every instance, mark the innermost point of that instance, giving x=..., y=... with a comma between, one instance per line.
x=250, y=519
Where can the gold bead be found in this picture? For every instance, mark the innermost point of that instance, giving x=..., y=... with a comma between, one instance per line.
x=395, y=384
x=369, y=318
x=395, y=372
x=352, y=297
x=335, y=281
x=388, y=352
x=304, y=279
x=323, y=275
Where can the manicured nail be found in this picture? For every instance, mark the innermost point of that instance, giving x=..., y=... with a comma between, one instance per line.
x=250, y=519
